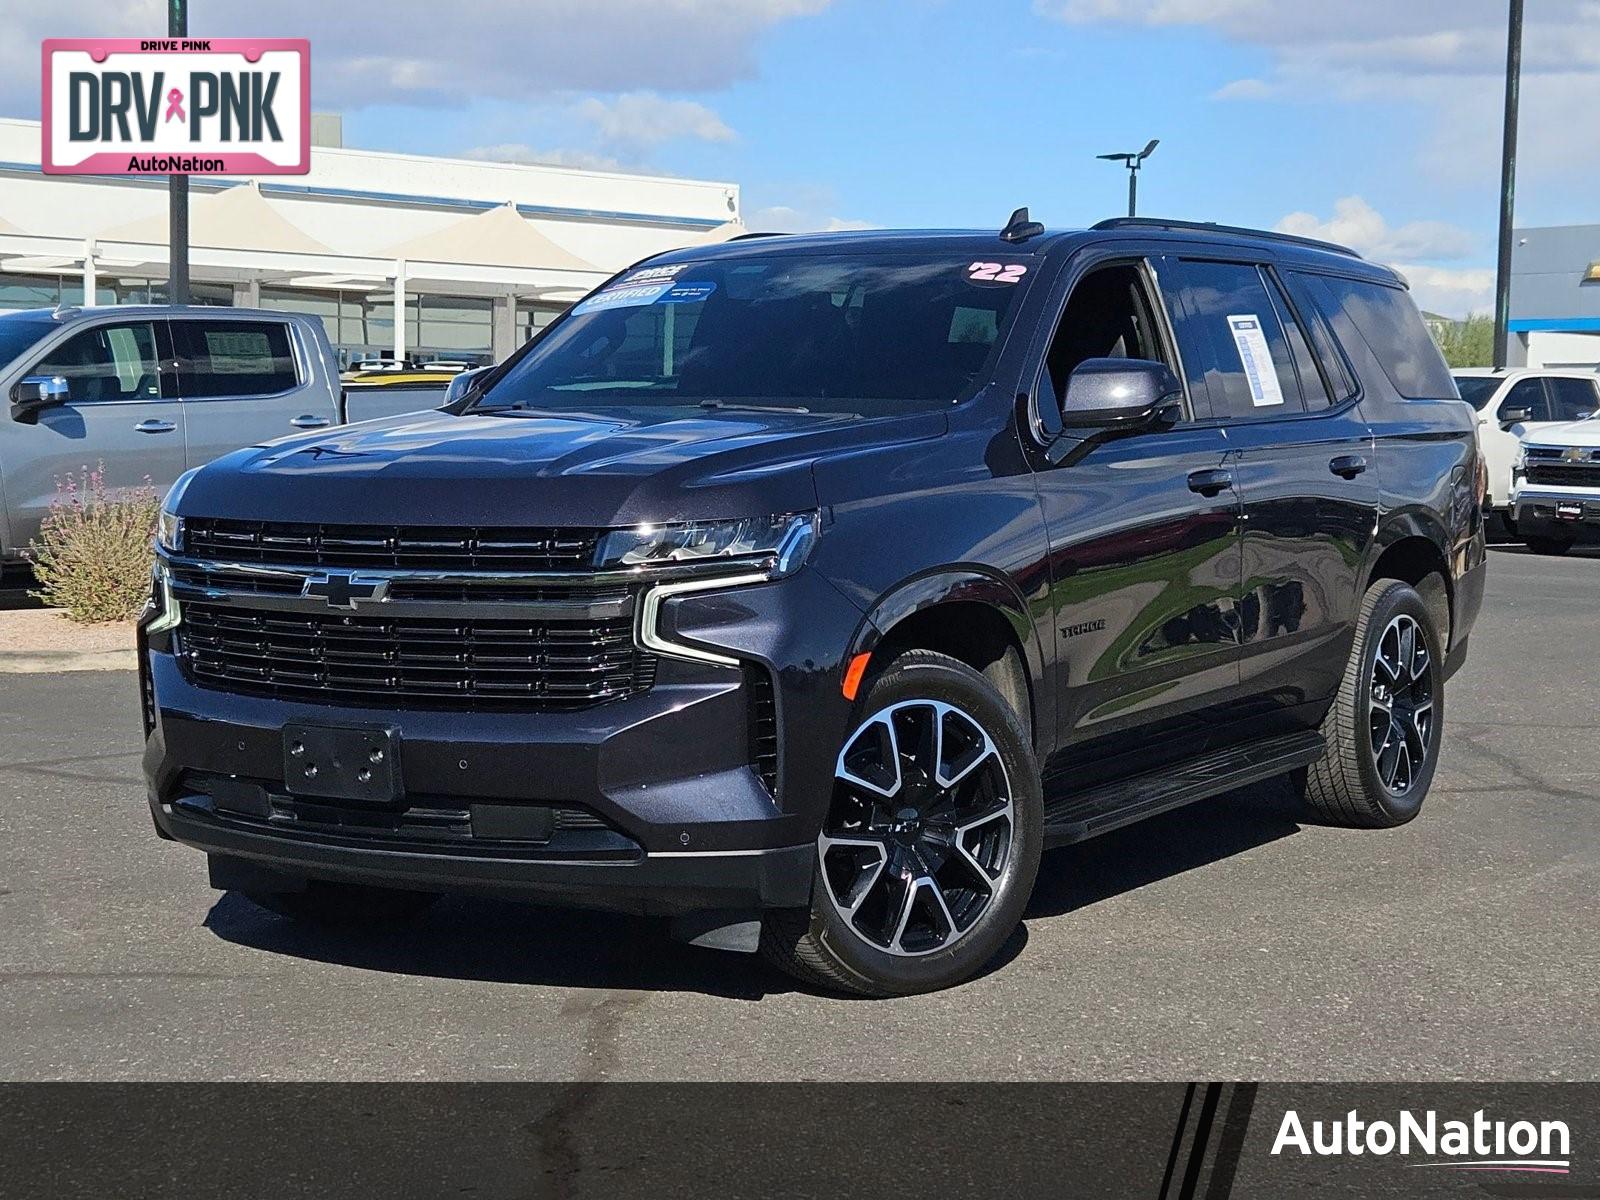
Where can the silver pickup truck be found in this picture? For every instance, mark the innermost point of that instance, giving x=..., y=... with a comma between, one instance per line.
x=151, y=391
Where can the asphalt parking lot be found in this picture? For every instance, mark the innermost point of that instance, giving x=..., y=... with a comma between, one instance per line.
x=1228, y=940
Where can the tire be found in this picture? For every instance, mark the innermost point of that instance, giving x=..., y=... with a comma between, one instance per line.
x=1351, y=785
x=324, y=903
x=1548, y=545
x=956, y=849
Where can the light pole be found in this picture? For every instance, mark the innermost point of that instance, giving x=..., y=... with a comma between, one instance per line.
x=1133, y=162
x=177, y=190
x=1508, y=184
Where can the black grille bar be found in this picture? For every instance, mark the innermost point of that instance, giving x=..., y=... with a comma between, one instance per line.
x=421, y=548
x=1563, y=475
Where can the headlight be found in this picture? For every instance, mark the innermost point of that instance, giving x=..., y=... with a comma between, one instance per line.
x=169, y=525
x=786, y=540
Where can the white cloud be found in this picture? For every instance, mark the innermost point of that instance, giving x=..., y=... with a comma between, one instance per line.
x=1356, y=224
x=1450, y=291
x=415, y=51
x=521, y=152
x=644, y=120
x=1243, y=89
x=1446, y=54
x=781, y=218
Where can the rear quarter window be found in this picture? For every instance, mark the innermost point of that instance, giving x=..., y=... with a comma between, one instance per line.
x=1388, y=321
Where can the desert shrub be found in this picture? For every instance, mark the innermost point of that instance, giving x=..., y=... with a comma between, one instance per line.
x=93, y=553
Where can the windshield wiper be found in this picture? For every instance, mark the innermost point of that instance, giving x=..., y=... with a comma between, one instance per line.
x=737, y=406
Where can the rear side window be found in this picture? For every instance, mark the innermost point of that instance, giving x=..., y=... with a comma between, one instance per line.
x=1232, y=325
x=1571, y=399
x=1388, y=321
x=233, y=358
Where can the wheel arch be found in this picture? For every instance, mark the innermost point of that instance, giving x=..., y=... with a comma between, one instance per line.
x=1412, y=548
x=974, y=616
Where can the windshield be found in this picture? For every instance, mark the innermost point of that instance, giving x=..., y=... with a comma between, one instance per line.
x=1476, y=389
x=18, y=332
x=814, y=333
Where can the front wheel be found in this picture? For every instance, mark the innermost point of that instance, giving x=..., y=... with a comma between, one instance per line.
x=1549, y=545
x=931, y=842
x=1384, y=728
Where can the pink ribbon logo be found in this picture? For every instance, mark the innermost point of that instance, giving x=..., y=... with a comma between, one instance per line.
x=175, y=106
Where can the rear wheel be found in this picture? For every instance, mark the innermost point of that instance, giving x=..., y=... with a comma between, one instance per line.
x=1384, y=728
x=931, y=842
x=324, y=903
x=1549, y=545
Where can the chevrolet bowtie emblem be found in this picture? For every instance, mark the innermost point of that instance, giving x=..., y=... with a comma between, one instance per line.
x=344, y=590
x=1572, y=454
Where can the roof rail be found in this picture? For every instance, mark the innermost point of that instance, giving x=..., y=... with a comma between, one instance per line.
x=1212, y=227
x=757, y=233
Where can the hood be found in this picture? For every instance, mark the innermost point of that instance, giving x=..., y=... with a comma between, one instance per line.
x=615, y=468
x=1573, y=433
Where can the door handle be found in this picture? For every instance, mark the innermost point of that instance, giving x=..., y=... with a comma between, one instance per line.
x=154, y=426
x=1210, y=483
x=309, y=421
x=1347, y=465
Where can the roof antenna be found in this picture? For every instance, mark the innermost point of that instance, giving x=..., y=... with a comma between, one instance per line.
x=1019, y=228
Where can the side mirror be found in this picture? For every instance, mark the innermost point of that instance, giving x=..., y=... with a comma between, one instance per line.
x=1119, y=394
x=1514, y=416
x=36, y=392
x=459, y=384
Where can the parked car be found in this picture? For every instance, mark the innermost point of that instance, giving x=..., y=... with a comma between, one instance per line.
x=804, y=589
x=1555, y=494
x=152, y=391
x=1519, y=400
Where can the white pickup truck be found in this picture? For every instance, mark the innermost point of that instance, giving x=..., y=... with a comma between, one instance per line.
x=1517, y=402
x=1555, y=486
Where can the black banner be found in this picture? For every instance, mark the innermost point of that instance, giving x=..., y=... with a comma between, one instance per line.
x=1162, y=1141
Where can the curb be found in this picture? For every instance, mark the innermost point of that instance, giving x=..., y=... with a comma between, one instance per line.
x=41, y=662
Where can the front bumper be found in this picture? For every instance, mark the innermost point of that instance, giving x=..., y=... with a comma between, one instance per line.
x=657, y=803
x=1539, y=514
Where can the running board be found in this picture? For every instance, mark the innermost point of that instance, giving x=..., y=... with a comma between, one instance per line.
x=1074, y=818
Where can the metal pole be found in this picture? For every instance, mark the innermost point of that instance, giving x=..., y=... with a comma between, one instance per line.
x=1133, y=190
x=178, y=189
x=1508, y=185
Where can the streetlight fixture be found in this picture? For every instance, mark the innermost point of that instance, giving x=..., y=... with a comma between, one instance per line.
x=1133, y=162
x=1508, y=184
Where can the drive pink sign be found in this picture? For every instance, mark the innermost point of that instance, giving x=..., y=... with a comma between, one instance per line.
x=177, y=106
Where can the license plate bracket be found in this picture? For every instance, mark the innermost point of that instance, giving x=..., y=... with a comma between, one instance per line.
x=342, y=762
x=1569, y=511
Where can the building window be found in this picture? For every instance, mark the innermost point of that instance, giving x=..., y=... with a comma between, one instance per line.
x=531, y=318
x=361, y=324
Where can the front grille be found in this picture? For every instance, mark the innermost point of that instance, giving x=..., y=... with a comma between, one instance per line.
x=1560, y=475
x=543, y=665
x=420, y=548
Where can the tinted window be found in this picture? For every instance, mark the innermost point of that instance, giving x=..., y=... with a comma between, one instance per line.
x=1389, y=323
x=892, y=334
x=18, y=333
x=1571, y=399
x=1528, y=394
x=111, y=362
x=1312, y=389
x=1476, y=389
x=234, y=358
x=1108, y=316
x=1231, y=326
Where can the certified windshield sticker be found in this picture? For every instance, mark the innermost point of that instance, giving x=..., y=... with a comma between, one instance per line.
x=993, y=274
x=655, y=274
x=688, y=292
x=627, y=295
x=1257, y=359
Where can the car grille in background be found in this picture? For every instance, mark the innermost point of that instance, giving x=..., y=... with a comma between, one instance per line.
x=422, y=548
x=415, y=662
x=1561, y=475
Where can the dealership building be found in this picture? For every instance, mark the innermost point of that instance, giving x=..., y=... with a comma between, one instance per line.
x=1555, y=297
x=473, y=255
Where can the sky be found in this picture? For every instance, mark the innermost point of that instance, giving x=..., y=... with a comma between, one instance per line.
x=1373, y=122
